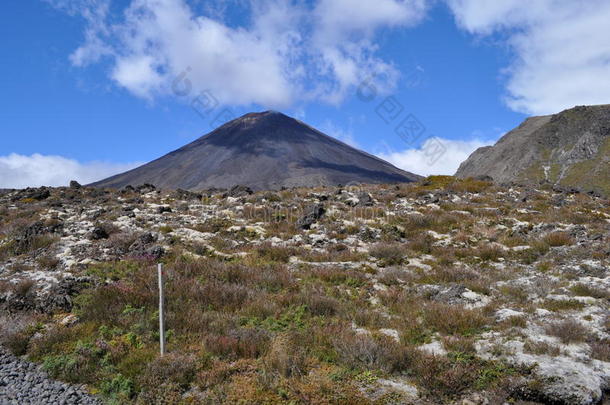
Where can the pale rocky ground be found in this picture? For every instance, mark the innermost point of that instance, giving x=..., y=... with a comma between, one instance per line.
x=477, y=250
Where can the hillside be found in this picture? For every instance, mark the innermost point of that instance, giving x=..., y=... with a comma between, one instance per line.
x=263, y=151
x=443, y=291
x=570, y=149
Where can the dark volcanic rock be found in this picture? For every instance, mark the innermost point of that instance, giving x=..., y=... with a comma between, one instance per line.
x=43, y=296
x=262, y=151
x=75, y=184
x=181, y=194
x=25, y=238
x=128, y=189
x=37, y=194
x=146, y=188
x=311, y=216
x=238, y=191
x=99, y=233
x=164, y=209
x=22, y=382
x=365, y=199
x=143, y=247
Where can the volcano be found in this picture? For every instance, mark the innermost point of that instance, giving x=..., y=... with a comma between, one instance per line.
x=264, y=151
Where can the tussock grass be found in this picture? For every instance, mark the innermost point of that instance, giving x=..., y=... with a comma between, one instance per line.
x=454, y=320
x=569, y=331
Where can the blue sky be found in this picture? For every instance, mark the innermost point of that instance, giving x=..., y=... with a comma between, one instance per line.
x=92, y=87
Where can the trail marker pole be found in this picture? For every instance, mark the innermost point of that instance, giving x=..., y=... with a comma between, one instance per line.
x=161, y=326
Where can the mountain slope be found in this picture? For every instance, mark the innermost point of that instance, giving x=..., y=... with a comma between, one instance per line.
x=266, y=150
x=571, y=149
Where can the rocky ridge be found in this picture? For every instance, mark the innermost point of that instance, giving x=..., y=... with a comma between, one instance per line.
x=568, y=149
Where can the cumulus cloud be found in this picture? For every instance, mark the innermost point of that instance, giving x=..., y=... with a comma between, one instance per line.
x=435, y=156
x=562, y=52
x=95, y=13
x=20, y=171
x=286, y=52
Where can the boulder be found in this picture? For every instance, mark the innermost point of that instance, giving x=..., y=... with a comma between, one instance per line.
x=75, y=185
x=311, y=215
x=99, y=233
x=186, y=195
x=238, y=191
x=365, y=199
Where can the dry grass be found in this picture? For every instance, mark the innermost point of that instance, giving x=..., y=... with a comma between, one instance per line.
x=334, y=253
x=165, y=378
x=569, y=331
x=47, y=262
x=583, y=290
x=338, y=276
x=238, y=343
x=421, y=243
x=17, y=330
x=365, y=352
x=600, y=350
x=213, y=225
x=490, y=252
x=541, y=348
x=285, y=357
x=394, y=276
x=442, y=378
x=23, y=287
x=454, y=319
x=275, y=253
x=388, y=254
x=556, y=239
x=563, y=305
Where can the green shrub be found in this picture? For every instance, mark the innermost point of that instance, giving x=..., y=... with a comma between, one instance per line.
x=118, y=389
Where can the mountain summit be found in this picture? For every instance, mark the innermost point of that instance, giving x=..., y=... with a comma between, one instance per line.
x=267, y=150
x=570, y=149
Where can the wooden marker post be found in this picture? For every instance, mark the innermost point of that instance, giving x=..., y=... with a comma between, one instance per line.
x=161, y=326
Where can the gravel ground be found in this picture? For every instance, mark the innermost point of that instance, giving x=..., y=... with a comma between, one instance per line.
x=23, y=383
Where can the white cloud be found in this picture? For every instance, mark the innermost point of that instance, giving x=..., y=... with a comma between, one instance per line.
x=286, y=52
x=137, y=74
x=339, y=19
x=435, y=156
x=20, y=171
x=343, y=36
x=94, y=12
x=561, y=47
x=283, y=52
